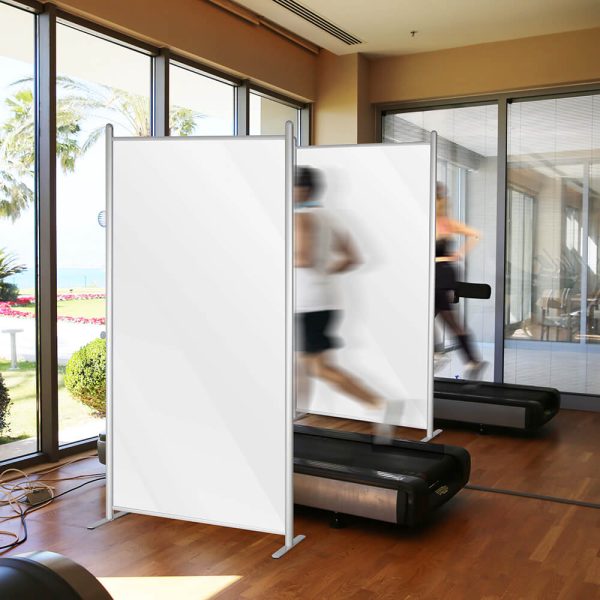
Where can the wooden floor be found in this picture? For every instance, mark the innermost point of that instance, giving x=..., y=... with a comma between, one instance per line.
x=562, y=459
x=480, y=545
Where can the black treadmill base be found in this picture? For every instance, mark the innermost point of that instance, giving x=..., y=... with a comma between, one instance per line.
x=509, y=406
x=400, y=483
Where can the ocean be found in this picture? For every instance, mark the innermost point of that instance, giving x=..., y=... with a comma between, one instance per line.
x=67, y=278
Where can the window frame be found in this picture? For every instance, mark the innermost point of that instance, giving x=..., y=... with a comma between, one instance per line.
x=47, y=16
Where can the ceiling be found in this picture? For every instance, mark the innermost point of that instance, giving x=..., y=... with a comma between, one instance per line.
x=384, y=26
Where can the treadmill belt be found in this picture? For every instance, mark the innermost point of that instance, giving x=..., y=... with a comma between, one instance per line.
x=506, y=393
x=362, y=454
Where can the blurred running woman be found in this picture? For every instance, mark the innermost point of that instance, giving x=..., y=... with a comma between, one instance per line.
x=321, y=250
x=445, y=276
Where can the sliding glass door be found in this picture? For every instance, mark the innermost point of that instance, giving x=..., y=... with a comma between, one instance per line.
x=467, y=165
x=551, y=333
x=553, y=228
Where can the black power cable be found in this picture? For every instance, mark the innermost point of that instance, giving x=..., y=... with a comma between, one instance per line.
x=481, y=488
x=24, y=513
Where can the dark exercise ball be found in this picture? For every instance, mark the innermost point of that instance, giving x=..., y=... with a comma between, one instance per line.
x=47, y=575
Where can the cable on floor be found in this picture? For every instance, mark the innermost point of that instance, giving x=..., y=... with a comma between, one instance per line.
x=15, y=502
x=480, y=488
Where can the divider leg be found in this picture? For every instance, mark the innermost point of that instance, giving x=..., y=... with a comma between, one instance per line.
x=101, y=522
x=285, y=549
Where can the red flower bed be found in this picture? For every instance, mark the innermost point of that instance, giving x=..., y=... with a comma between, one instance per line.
x=7, y=308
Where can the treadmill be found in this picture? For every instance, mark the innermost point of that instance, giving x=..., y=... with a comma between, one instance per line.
x=401, y=482
x=513, y=406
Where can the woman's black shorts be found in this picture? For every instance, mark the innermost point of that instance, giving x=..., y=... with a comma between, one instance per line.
x=314, y=331
x=445, y=284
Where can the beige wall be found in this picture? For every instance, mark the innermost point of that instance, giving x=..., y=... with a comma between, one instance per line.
x=343, y=113
x=365, y=111
x=199, y=30
x=335, y=118
x=550, y=60
x=345, y=88
x=349, y=86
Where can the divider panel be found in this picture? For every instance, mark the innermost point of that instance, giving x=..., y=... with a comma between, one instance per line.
x=380, y=194
x=198, y=329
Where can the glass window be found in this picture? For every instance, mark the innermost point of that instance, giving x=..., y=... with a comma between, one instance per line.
x=91, y=92
x=519, y=243
x=268, y=117
x=552, y=284
x=467, y=163
x=200, y=105
x=593, y=259
x=18, y=381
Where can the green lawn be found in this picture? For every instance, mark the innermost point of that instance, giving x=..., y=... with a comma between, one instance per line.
x=21, y=385
x=90, y=309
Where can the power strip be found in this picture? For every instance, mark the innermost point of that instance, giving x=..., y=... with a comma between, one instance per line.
x=36, y=497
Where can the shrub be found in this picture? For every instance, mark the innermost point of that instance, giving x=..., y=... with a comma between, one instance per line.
x=85, y=376
x=4, y=405
x=9, y=292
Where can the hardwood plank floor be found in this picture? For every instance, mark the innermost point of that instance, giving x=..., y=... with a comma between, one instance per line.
x=480, y=545
x=562, y=459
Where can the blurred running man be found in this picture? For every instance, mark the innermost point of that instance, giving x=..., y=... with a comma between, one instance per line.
x=322, y=250
x=445, y=276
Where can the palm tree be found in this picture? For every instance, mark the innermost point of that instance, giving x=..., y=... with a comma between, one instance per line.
x=130, y=111
x=17, y=156
x=8, y=267
x=17, y=148
x=76, y=103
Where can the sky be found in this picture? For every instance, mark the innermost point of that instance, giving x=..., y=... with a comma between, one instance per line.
x=80, y=199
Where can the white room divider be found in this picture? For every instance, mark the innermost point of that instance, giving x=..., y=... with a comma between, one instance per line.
x=384, y=196
x=199, y=406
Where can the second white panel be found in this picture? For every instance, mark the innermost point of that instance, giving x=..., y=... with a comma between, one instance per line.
x=381, y=196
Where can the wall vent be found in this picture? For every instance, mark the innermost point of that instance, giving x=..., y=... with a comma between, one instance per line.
x=317, y=21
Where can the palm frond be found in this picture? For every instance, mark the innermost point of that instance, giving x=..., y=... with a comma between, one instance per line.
x=8, y=266
x=92, y=139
